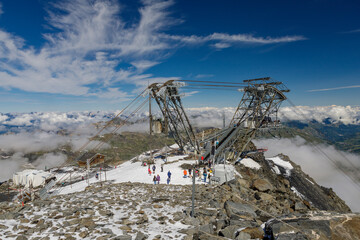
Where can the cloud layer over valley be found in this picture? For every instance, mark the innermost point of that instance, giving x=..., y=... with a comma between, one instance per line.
x=314, y=162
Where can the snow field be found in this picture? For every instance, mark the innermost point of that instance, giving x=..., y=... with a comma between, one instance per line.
x=135, y=172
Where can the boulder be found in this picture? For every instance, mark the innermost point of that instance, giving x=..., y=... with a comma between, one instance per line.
x=255, y=232
x=239, y=210
x=300, y=206
x=3, y=227
x=262, y=185
x=208, y=228
x=21, y=237
x=83, y=234
x=123, y=237
x=141, y=236
x=220, y=224
x=243, y=182
x=243, y=236
x=265, y=197
x=88, y=223
x=292, y=236
x=230, y=232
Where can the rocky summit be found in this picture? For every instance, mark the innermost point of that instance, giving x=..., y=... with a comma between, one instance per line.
x=273, y=191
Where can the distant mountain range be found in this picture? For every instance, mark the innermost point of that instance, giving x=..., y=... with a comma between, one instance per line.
x=344, y=137
x=336, y=125
x=213, y=117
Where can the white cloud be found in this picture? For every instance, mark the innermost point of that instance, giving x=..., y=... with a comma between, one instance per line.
x=11, y=165
x=210, y=116
x=142, y=65
x=352, y=31
x=221, y=45
x=331, y=89
x=224, y=40
x=204, y=76
x=49, y=160
x=314, y=163
x=25, y=120
x=31, y=142
x=206, y=116
x=342, y=114
x=3, y=118
x=89, y=45
x=249, y=38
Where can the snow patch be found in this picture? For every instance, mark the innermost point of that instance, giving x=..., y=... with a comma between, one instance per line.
x=250, y=163
x=297, y=193
x=276, y=170
x=281, y=163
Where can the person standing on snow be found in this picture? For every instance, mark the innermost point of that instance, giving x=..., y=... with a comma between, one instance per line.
x=169, y=174
x=205, y=175
x=154, y=169
x=162, y=168
x=158, y=178
x=154, y=179
x=185, y=173
x=149, y=171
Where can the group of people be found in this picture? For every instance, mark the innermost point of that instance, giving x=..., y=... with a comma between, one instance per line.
x=206, y=174
x=203, y=175
x=156, y=178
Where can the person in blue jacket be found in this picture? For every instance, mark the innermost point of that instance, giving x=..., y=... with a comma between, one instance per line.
x=169, y=174
x=205, y=175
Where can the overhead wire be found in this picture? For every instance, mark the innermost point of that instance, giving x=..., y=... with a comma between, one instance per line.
x=199, y=81
x=109, y=123
x=214, y=85
x=209, y=88
x=100, y=144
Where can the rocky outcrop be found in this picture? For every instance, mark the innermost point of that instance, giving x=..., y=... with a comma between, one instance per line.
x=283, y=185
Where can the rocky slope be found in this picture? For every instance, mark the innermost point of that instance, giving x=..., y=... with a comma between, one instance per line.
x=276, y=191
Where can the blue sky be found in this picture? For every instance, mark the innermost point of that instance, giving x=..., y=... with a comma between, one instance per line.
x=98, y=55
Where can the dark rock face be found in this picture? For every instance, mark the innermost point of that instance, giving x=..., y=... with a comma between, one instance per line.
x=285, y=186
x=315, y=194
